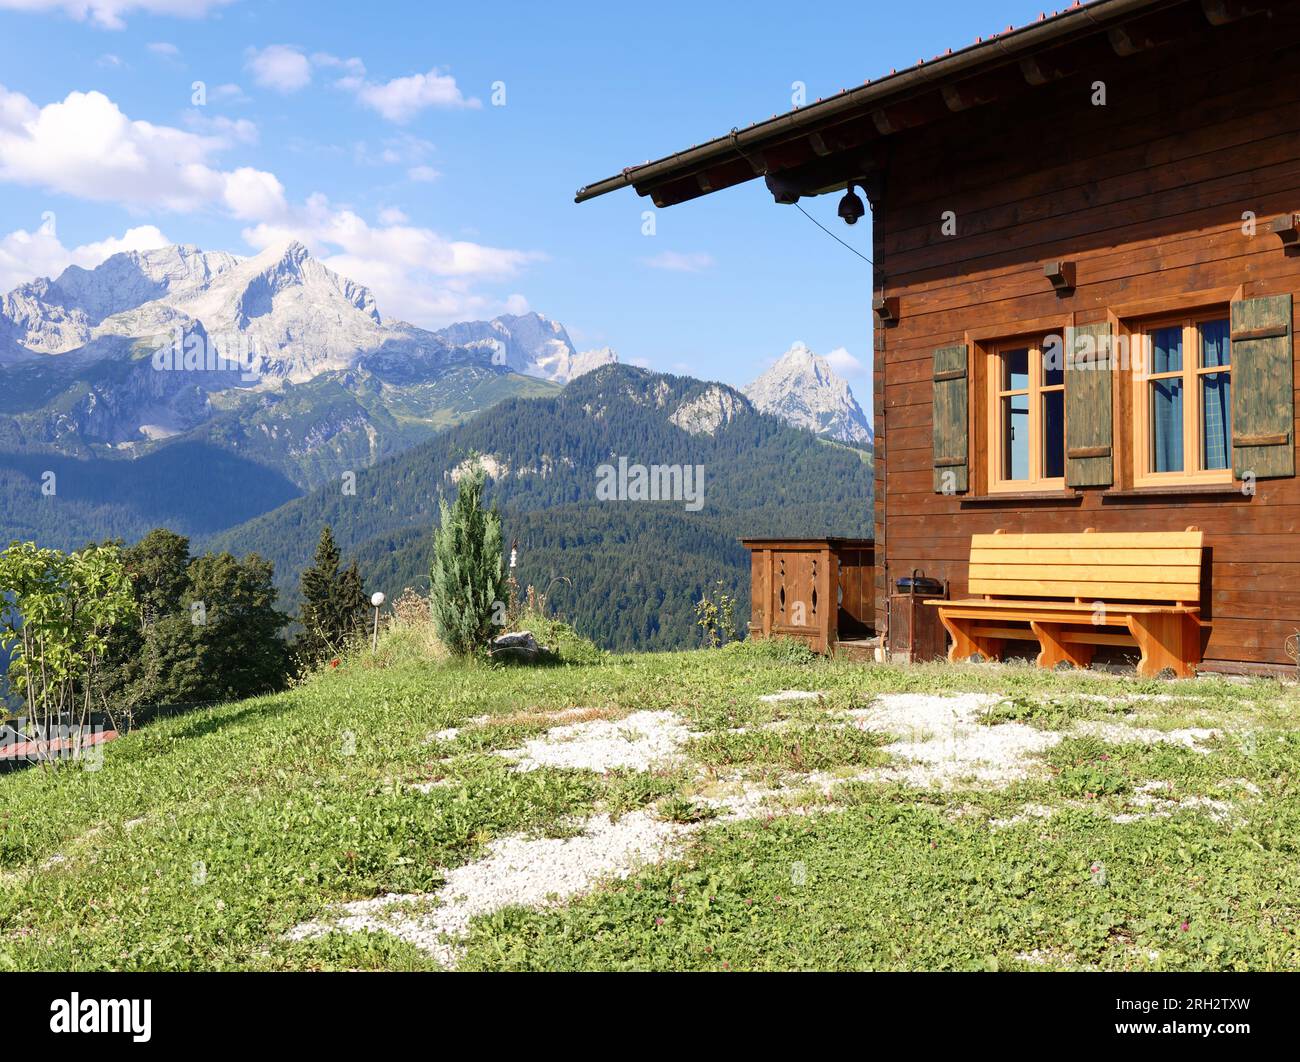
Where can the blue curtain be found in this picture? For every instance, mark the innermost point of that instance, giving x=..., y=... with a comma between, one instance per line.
x=1216, y=393
x=1167, y=425
x=1167, y=402
x=1216, y=390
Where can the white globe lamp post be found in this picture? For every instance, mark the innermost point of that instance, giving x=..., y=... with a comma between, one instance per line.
x=376, y=599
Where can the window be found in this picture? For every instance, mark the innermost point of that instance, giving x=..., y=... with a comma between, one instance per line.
x=1182, y=402
x=1027, y=418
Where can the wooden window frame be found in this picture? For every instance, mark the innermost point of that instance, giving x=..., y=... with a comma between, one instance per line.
x=1193, y=404
x=994, y=394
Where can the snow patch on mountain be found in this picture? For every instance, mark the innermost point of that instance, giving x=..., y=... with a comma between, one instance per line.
x=802, y=389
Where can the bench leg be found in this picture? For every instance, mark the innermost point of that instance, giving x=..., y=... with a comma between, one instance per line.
x=1167, y=640
x=1053, y=651
x=966, y=644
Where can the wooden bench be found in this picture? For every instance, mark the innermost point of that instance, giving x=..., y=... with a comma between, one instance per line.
x=1079, y=591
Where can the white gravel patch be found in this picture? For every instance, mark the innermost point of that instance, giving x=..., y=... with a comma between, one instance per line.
x=1043, y=956
x=638, y=742
x=1119, y=734
x=1027, y=813
x=428, y=787
x=1147, y=797
x=517, y=871
x=940, y=741
x=791, y=695
x=937, y=742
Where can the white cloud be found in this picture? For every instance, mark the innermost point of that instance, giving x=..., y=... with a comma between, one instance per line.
x=229, y=93
x=164, y=48
x=109, y=61
x=111, y=14
x=844, y=363
x=402, y=98
x=229, y=130
x=423, y=174
x=676, y=262
x=280, y=66
x=27, y=255
x=353, y=69
x=400, y=150
x=86, y=147
x=393, y=216
x=287, y=68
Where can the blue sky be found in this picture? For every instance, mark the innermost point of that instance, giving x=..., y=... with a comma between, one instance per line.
x=371, y=132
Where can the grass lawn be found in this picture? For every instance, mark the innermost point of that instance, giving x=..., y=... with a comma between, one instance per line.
x=1128, y=824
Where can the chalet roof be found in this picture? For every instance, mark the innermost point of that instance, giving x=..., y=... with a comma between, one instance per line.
x=814, y=148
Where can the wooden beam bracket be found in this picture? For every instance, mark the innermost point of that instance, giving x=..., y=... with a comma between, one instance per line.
x=1061, y=273
x=886, y=308
x=1287, y=229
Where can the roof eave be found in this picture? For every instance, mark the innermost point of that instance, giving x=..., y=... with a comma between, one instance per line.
x=746, y=145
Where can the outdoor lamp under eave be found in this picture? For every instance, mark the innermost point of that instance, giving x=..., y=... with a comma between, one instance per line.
x=851, y=208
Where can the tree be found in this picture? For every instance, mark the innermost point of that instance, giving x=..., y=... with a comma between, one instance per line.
x=334, y=603
x=203, y=629
x=158, y=568
x=58, y=611
x=223, y=642
x=467, y=580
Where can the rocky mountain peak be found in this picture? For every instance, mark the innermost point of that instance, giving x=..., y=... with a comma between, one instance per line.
x=802, y=389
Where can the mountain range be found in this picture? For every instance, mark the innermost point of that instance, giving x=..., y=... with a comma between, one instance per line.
x=223, y=396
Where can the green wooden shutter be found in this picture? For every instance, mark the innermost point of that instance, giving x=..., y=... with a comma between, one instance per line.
x=1263, y=399
x=951, y=474
x=1089, y=432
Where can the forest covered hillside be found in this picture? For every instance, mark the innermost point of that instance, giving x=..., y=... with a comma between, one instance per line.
x=626, y=572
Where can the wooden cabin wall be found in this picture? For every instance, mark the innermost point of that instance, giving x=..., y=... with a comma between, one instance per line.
x=1146, y=196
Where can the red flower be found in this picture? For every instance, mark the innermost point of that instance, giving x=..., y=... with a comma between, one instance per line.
x=1184, y=927
x=334, y=663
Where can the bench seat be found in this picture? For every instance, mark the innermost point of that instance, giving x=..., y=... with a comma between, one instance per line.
x=1138, y=589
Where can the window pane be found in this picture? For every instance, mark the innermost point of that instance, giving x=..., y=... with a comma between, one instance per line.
x=1053, y=369
x=1015, y=436
x=1216, y=394
x=1015, y=370
x=1053, y=434
x=1167, y=425
x=1215, y=344
x=1167, y=349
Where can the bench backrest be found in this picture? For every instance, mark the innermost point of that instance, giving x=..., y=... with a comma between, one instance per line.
x=1094, y=565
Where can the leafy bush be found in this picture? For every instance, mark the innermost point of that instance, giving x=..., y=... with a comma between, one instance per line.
x=559, y=637
x=58, y=610
x=778, y=650
x=717, y=619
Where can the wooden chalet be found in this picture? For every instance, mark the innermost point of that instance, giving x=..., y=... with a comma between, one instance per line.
x=1086, y=239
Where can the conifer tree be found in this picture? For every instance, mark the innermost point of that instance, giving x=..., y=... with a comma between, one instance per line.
x=467, y=580
x=334, y=602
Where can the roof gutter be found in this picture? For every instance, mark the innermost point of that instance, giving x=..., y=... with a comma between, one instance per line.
x=1010, y=46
